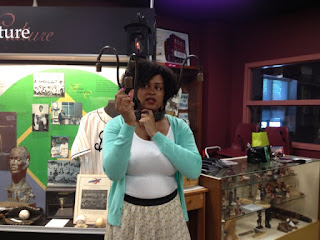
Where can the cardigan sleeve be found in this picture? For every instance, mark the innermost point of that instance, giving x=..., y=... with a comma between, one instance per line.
x=117, y=141
x=182, y=152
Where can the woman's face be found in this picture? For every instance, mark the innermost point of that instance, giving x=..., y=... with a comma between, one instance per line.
x=151, y=96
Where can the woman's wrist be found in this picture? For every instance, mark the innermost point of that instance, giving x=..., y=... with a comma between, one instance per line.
x=153, y=134
x=130, y=123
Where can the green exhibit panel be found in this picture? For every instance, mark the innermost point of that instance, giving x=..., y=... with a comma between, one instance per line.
x=77, y=89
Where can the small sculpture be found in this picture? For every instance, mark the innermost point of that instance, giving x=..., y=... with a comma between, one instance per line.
x=259, y=220
x=229, y=229
x=19, y=190
x=267, y=218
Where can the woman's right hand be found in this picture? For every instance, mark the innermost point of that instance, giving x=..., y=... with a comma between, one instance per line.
x=125, y=106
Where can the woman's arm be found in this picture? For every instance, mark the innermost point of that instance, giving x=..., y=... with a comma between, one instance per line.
x=117, y=141
x=183, y=152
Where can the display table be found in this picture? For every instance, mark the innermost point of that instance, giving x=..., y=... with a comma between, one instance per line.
x=195, y=201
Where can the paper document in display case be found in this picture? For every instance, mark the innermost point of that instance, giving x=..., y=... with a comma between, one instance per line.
x=92, y=197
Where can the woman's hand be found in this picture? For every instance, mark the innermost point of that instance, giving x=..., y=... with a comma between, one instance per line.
x=147, y=120
x=125, y=106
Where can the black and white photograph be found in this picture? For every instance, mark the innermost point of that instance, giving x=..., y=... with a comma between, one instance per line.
x=40, y=116
x=63, y=173
x=66, y=113
x=94, y=199
x=48, y=85
x=8, y=137
x=59, y=146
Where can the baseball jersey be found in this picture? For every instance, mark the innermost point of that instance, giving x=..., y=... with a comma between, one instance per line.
x=88, y=142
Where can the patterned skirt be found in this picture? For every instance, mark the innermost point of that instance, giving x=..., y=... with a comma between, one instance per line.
x=159, y=222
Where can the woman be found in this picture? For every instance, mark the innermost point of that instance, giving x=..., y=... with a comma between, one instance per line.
x=147, y=159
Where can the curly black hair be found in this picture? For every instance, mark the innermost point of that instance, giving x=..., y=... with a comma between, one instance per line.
x=147, y=70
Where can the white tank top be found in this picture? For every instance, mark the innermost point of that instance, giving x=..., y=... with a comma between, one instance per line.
x=149, y=174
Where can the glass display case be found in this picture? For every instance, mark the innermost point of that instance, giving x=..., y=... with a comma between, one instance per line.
x=264, y=202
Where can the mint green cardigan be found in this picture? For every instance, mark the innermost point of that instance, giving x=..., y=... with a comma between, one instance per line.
x=117, y=140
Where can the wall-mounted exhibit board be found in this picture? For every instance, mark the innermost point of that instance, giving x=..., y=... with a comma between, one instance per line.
x=26, y=87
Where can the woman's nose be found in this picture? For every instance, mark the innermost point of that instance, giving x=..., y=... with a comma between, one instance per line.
x=151, y=90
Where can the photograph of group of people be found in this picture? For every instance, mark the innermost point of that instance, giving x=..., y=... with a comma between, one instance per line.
x=63, y=172
x=94, y=199
x=48, y=85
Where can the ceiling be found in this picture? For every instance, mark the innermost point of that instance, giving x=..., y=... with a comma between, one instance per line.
x=232, y=11
x=228, y=11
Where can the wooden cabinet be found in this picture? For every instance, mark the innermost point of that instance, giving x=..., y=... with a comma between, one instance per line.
x=192, y=86
x=195, y=198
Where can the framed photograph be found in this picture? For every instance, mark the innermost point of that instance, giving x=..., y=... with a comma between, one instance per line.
x=185, y=117
x=8, y=137
x=92, y=197
x=63, y=173
x=183, y=104
x=59, y=146
x=66, y=113
x=172, y=47
x=40, y=116
x=48, y=84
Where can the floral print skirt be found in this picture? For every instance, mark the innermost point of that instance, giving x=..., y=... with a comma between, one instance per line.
x=159, y=222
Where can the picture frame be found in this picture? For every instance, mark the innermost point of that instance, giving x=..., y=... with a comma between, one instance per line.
x=172, y=47
x=62, y=173
x=40, y=117
x=184, y=100
x=8, y=137
x=48, y=84
x=60, y=147
x=92, y=197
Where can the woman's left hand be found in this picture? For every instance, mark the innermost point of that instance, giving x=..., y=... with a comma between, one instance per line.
x=147, y=120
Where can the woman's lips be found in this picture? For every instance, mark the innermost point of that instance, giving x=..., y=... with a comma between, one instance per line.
x=150, y=100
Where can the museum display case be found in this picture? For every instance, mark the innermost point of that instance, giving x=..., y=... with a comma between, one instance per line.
x=60, y=202
x=272, y=201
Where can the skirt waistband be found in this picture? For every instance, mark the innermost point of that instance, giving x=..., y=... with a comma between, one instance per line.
x=150, y=202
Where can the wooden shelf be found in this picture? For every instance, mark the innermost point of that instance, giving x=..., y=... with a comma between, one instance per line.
x=177, y=66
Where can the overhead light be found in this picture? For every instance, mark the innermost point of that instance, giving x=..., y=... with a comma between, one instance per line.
x=280, y=75
x=139, y=37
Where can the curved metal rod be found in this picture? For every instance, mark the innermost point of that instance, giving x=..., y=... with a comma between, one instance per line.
x=184, y=62
x=98, y=64
x=135, y=79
